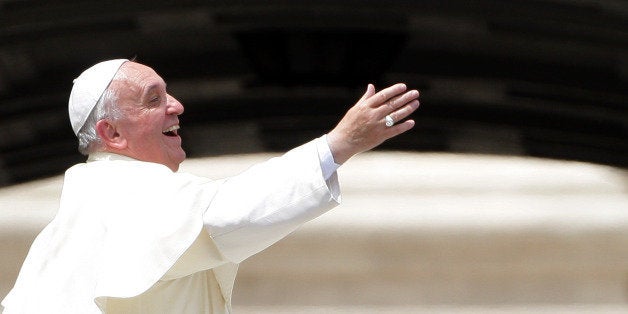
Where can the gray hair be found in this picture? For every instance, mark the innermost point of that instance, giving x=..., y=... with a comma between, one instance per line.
x=106, y=108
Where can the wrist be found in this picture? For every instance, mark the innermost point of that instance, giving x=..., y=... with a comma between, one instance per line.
x=339, y=148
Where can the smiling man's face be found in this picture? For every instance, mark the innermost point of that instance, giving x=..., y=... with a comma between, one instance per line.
x=149, y=121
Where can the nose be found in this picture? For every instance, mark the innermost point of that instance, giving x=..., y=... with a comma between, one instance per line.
x=174, y=106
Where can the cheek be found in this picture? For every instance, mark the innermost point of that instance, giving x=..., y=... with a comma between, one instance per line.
x=145, y=127
x=144, y=132
x=141, y=137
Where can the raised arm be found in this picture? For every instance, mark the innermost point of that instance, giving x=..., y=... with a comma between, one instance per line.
x=364, y=126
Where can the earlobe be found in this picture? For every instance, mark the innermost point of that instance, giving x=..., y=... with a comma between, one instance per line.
x=109, y=135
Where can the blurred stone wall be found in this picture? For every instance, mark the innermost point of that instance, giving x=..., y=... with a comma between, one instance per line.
x=418, y=232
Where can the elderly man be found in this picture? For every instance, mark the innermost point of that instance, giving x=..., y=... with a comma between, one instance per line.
x=133, y=235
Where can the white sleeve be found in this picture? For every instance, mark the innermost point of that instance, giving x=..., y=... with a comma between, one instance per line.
x=257, y=208
x=328, y=165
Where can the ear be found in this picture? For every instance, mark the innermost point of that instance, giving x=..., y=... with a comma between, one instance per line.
x=110, y=136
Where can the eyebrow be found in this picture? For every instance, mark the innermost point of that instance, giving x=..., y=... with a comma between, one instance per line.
x=151, y=87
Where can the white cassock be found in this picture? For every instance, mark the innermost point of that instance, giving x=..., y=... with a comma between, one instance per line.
x=134, y=237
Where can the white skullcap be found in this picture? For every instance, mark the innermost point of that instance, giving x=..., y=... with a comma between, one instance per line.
x=88, y=88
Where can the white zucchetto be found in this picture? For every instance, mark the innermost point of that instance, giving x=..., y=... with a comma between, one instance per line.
x=88, y=88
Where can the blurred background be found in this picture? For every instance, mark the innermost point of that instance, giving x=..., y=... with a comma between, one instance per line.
x=510, y=194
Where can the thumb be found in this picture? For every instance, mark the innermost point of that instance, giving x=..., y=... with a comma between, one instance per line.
x=370, y=91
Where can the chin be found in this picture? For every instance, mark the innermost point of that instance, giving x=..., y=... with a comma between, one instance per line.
x=178, y=160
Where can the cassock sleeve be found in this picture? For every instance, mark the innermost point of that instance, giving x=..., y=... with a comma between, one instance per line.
x=255, y=209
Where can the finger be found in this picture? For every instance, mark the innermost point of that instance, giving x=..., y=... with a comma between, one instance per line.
x=397, y=102
x=385, y=94
x=399, y=128
x=405, y=111
x=370, y=91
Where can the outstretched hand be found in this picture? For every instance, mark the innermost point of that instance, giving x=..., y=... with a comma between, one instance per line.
x=364, y=126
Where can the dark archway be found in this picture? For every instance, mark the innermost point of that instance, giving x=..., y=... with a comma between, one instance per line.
x=541, y=78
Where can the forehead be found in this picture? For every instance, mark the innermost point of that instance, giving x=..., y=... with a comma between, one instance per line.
x=138, y=79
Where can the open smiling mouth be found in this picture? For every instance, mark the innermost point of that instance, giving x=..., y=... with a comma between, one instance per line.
x=171, y=131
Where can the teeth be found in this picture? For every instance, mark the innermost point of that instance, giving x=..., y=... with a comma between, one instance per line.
x=172, y=128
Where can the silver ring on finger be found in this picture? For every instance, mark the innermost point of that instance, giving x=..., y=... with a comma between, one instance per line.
x=389, y=121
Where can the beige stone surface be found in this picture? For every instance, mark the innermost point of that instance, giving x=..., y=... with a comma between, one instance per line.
x=435, y=233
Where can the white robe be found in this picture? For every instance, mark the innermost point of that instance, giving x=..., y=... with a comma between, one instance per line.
x=133, y=236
